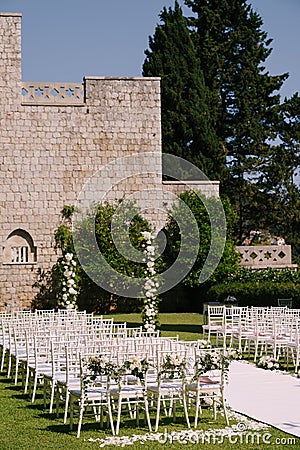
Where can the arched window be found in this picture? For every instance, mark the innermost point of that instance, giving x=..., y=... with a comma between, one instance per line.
x=19, y=248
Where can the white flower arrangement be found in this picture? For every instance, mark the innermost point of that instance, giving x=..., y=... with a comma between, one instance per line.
x=174, y=365
x=203, y=343
x=150, y=310
x=70, y=288
x=268, y=362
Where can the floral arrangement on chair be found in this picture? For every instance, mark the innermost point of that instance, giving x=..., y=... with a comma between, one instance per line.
x=137, y=367
x=203, y=343
x=102, y=366
x=174, y=366
x=269, y=363
x=211, y=360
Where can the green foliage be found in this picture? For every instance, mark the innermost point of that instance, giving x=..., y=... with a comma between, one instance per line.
x=228, y=263
x=269, y=275
x=251, y=293
x=187, y=131
x=221, y=110
x=97, y=224
x=259, y=287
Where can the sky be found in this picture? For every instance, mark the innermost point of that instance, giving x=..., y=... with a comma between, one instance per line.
x=65, y=40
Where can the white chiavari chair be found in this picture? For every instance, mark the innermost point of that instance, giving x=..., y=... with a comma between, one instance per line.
x=170, y=387
x=92, y=393
x=215, y=322
x=207, y=385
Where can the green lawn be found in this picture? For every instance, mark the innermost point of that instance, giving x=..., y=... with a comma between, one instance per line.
x=186, y=325
x=28, y=426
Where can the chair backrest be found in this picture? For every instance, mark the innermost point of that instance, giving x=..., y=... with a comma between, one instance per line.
x=288, y=302
x=216, y=314
x=171, y=365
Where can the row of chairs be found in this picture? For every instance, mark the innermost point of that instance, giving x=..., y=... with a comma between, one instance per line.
x=50, y=351
x=161, y=389
x=271, y=331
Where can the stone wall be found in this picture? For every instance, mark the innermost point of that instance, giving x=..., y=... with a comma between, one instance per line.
x=54, y=137
x=266, y=256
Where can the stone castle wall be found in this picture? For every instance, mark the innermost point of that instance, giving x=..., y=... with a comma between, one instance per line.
x=54, y=137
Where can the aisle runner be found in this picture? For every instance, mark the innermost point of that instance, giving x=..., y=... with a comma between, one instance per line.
x=264, y=395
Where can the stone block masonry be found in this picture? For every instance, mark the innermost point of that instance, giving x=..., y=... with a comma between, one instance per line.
x=54, y=137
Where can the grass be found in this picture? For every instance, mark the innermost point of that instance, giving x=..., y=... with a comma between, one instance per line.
x=186, y=325
x=28, y=426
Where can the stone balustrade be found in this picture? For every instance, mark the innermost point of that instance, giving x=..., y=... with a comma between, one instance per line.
x=264, y=256
x=52, y=94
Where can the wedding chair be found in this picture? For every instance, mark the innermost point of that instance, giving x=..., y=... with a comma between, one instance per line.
x=40, y=365
x=18, y=354
x=262, y=332
x=170, y=387
x=231, y=319
x=207, y=384
x=128, y=388
x=71, y=379
x=92, y=393
x=292, y=347
x=244, y=329
x=215, y=322
x=58, y=370
x=281, y=335
x=4, y=338
x=131, y=331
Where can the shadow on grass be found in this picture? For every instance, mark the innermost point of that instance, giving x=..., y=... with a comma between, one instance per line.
x=197, y=329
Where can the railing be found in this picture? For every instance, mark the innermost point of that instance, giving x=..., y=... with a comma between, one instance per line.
x=52, y=94
x=263, y=256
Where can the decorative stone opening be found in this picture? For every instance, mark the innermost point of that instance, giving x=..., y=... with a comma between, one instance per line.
x=19, y=248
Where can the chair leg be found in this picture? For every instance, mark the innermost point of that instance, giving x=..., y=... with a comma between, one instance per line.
x=197, y=410
x=81, y=411
x=186, y=411
x=119, y=415
x=66, y=406
x=157, y=412
x=147, y=412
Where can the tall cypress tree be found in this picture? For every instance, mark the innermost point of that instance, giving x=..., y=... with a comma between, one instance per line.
x=244, y=100
x=186, y=124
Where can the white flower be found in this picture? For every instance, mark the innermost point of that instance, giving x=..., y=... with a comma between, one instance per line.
x=69, y=256
x=175, y=360
x=150, y=249
x=68, y=273
x=72, y=291
x=65, y=297
x=146, y=235
x=70, y=306
x=103, y=362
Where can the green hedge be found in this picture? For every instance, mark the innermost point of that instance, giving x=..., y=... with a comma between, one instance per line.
x=256, y=293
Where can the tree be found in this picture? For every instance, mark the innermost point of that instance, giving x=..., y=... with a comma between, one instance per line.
x=279, y=180
x=244, y=100
x=221, y=49
x=207, y=213
x=116, y=250
x=186, y=123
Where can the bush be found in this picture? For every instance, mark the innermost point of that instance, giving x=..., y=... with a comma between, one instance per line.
x=256, y=293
